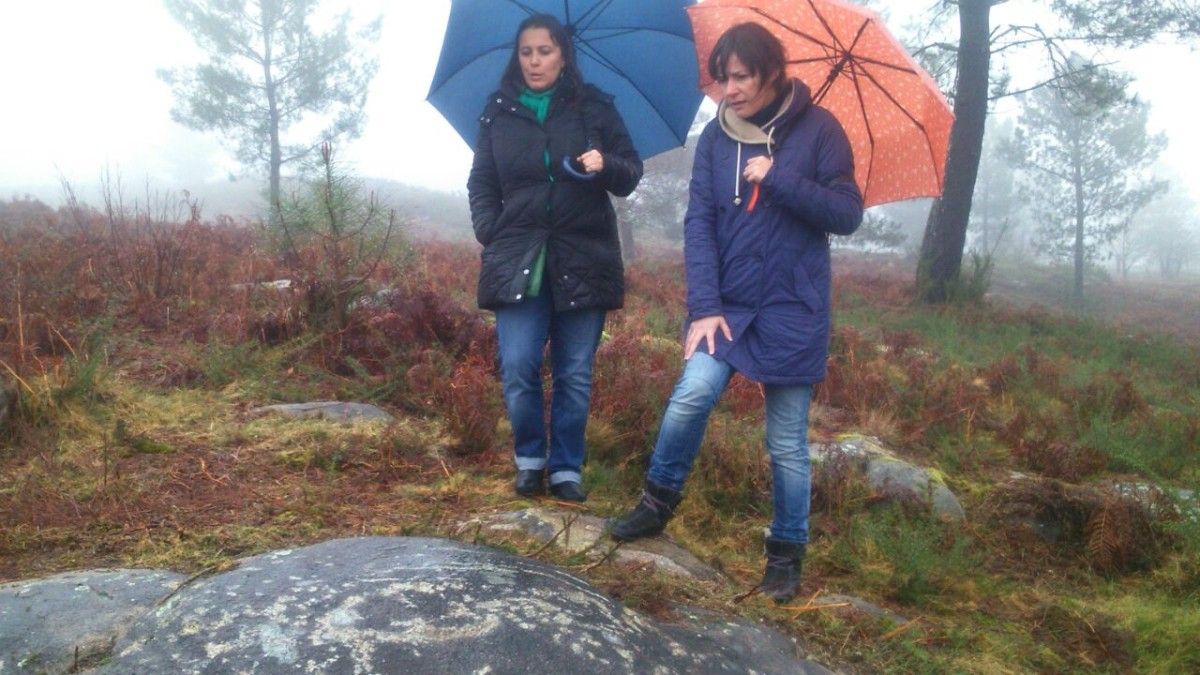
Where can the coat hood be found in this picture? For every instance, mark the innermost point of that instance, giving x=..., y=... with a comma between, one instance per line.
x=794, y=106
x=744, y=132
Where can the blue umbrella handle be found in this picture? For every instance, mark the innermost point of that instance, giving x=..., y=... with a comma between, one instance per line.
x=569, y=167
x=571, y=171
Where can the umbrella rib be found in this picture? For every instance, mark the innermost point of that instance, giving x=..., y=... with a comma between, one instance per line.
x=815, y=59
x=858, y=36
x=466, y=65
x=847, y=57
x=832, y=36
x=625, y=30
x=835, y=47
x=521, y=5
x=591, y=15
x=591, y=51
x=862, y=109
x=884, y=64
x=790, y=29
x=917, y=123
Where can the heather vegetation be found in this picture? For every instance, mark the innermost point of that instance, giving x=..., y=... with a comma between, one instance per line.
x=137, y=337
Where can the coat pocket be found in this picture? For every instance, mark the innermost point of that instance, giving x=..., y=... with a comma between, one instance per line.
x=805, y=291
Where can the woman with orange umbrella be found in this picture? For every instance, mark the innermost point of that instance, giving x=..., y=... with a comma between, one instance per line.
x=773, y=178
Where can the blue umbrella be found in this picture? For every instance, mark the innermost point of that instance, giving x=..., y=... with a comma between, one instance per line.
x=640, y=51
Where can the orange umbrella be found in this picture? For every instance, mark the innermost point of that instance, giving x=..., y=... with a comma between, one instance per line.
x=896, y=118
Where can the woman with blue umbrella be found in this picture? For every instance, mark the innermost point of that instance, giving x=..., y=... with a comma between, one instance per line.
x=550, y=150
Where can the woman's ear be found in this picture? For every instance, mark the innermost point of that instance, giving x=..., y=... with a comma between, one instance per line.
x=775, y=80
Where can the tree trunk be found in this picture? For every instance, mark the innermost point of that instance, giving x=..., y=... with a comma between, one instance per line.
x=946, y=230
x=276, y=159
x=1077, y=177
x=625, y=231
x=276, y=152
x=625, y=215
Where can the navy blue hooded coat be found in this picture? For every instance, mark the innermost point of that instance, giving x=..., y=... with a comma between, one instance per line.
x=767, y=271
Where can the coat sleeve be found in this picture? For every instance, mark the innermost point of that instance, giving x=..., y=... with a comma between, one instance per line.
x=622, y=165
x=483, y=185
x=831, y=202
x=700, y=251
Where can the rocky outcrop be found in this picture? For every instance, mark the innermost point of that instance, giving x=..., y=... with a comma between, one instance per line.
x=375, y=605
x=889, y=476
x=581, y=533
x=336, y=411
x=65, y=622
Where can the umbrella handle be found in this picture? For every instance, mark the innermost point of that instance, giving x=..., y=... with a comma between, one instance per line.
x=569, y=167
x=575, y=173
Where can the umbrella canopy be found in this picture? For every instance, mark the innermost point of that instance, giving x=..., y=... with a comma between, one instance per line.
x=640, y=52
x=896, y=118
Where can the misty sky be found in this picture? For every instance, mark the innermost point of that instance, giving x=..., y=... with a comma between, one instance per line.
x=81, y=92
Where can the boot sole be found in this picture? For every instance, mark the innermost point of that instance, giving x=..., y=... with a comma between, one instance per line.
x=635, y=537
x=781, y=599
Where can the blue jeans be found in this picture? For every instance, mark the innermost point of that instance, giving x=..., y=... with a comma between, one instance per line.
x=522, y=331
x=701, y=385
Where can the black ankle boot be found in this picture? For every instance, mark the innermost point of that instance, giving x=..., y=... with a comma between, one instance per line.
x=781, y=580
x=569, y=491
x=650, y=516
x=529, y=482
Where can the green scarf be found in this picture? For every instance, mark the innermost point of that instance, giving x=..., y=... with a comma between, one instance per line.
x=539, y=103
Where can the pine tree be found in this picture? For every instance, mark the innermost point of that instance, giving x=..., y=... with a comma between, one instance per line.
x=268, y=68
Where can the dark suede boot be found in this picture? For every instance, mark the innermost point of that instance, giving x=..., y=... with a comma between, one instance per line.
x=650, y=516
x=530, y=482
x=781, y=580
x=569, y=491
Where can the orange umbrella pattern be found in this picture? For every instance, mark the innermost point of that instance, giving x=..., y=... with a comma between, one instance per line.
x=897, y=119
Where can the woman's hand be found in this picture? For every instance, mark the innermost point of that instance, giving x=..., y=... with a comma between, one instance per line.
x=591, y=161
x=757, y=168
x=705, y=329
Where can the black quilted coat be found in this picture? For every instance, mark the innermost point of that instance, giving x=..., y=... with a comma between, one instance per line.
x=516, y=207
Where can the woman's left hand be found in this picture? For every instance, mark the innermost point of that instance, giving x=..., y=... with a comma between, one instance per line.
x=757, y=168
x=591, y=161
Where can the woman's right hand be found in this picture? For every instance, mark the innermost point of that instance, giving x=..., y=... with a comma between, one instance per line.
x=705, y=329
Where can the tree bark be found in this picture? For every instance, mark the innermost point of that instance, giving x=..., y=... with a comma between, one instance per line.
x=625, y=232
x=625, y=217
x=940, y=262
x=1077, y=177
x=276, y=160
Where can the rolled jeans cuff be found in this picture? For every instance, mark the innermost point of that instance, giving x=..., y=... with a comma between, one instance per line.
x=531, y=463
x=565, y=477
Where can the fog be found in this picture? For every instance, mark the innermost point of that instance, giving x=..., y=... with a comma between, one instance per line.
x=82, y=94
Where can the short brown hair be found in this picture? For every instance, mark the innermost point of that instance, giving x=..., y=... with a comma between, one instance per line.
x=754, y=46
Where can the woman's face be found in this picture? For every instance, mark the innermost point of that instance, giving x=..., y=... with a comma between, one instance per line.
x=745, y=92
x=541, y=59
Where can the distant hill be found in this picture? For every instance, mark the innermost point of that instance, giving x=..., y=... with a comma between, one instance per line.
x=444, y=213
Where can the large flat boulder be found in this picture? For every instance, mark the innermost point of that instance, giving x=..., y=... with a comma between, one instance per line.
x=410, y=605
x=55, y=624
